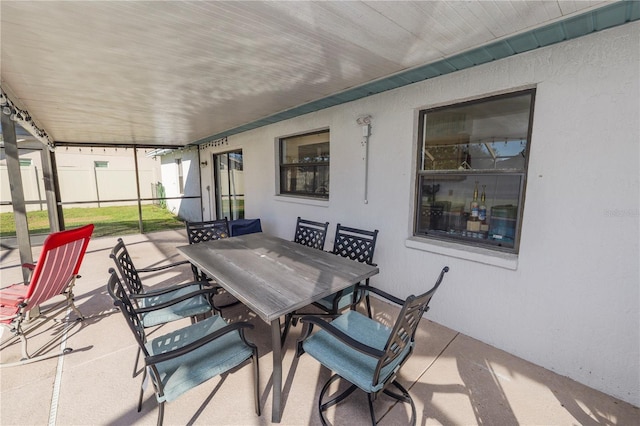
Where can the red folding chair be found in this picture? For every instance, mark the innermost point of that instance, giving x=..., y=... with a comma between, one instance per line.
x=53, y=274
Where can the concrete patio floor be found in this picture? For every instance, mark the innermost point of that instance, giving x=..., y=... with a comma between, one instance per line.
x=453, y=378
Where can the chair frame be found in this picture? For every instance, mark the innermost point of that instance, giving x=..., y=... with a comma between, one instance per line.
x=355, y=244
x=198, y=232
x=132, y=315
x=136, y=291
x=54, y=274
x=131, y=276
x=402, y=336
x=310, y=233
x=352, y=243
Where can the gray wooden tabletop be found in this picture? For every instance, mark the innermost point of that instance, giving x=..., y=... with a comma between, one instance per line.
x=273, y=276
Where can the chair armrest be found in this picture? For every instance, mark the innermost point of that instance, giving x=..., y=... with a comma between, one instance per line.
x=311, y=320
x=172, y=302
x=160, y=291
x=239, y=326
x=381, y=293
x=163, y=267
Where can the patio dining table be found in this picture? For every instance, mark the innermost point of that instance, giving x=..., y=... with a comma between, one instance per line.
x=274, y=277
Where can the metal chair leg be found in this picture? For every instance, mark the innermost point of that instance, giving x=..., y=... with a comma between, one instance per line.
x=404, y=397
x=336, y=400
x=160, y=413
x=135, y=364
x=144, y=376
x=256, y=381
x=371, y=412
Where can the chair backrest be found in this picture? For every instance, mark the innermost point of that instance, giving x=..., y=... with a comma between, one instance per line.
x=404, y=330
x=310, y=233
x=58, y=264
x=355, y=244
x=123, y=302
x=198, y=232
x=128, y=271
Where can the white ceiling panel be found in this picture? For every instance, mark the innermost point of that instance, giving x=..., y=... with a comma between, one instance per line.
x=175, y=72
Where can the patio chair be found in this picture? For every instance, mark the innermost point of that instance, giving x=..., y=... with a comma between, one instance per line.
x=54, y=274
x=196, y=296
x=355, y=244
x=364, y=352
x=198, y=232
x=167, y=304
x=185, y=358
x=311, y=234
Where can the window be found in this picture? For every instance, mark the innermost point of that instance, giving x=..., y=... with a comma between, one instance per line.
x=472, y=168
x=180, y=175
x=25, y=162
x=304, y=165
x=101, y=164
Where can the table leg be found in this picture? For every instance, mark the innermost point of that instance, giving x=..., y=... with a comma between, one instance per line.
x=277, y=370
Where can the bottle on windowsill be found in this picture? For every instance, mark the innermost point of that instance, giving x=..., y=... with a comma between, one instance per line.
x=473, y=224
x=474, y=204
x=482, y=214
x=482, y=210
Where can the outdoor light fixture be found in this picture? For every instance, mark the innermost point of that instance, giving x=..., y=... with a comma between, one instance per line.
x=24, y=119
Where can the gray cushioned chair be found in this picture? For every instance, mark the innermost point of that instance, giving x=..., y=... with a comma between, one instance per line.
x=198, y=232
x=166, y=304
x=196, y=296
x=364, y=352
x=355, y=244
x=183, y=359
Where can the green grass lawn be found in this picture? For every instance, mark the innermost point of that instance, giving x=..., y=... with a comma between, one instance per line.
x=114, y=220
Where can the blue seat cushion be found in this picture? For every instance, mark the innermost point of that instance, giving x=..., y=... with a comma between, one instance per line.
x=188, y=308
x=345, y=300
x=347, y=362
x=180, y=374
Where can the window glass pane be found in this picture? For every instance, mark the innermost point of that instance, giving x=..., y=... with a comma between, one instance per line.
x=310, y=148
x=448, y=207
x=307, y=180
x=478, y=136
x=180, y=175
x=312, y=179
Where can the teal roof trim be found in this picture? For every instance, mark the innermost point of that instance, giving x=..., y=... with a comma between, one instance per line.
x=608, y=16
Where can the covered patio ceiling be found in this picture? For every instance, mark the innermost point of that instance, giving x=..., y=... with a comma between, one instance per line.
x=173, y=73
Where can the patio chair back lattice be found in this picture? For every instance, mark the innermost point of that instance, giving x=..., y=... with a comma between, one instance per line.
x=311, y=234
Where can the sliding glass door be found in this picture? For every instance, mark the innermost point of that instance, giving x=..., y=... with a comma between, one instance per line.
x=229, y=180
